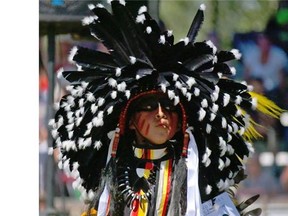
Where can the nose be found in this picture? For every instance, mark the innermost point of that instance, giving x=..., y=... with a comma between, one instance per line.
x=159, y=113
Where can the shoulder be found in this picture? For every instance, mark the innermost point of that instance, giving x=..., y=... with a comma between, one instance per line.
x=279, y=54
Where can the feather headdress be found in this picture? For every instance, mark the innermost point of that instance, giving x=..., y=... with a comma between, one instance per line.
x=142, y=58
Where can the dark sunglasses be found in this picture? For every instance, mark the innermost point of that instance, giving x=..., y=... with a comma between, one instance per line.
x=151, y=102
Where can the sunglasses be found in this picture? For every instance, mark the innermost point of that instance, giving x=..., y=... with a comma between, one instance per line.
x=152, y=102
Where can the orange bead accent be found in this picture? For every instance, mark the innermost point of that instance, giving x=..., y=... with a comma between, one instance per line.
x=184, y=118
x=115, y=144
x=185, y=145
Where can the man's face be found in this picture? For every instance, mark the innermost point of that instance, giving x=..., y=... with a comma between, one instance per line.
x=155, y=119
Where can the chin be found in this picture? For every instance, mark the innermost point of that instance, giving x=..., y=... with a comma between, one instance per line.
x=160, y=141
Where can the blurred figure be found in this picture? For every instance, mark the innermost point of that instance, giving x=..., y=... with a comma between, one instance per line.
x=43, y=133
x=43, y=156
x=259, y=181
x=277, y=26
x=267, y=125
x=284, y=179
x=65, y=46
x=269, y=63
x=43, y=91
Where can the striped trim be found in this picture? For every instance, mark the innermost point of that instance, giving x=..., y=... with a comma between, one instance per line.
x=139, y=207
x=150, y=154
x=164, y=188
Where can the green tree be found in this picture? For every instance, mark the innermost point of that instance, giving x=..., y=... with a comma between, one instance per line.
x=225, y=17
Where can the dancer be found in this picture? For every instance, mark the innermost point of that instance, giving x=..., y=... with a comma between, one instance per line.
x=155, y=127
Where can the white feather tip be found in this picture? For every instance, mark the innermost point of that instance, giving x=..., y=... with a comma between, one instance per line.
x=142, y=9
x=73, y=52
x=236, y=53
x=202, y=7
x=91, y=6
x=59, y=73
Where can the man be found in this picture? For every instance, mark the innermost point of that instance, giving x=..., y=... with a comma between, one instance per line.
x=153, y=127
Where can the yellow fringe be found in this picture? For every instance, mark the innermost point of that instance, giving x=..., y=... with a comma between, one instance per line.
x=266, y=106
x=93, y=212
x=251, y=133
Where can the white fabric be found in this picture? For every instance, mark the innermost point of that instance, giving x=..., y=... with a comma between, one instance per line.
x=159, y=196
x=104, y=198
x=194, y=207
x=103, y=202
x=155, y=153
x=220, y=205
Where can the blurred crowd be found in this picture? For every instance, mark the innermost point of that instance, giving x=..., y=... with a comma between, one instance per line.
x=63, y=46
x=264, y=64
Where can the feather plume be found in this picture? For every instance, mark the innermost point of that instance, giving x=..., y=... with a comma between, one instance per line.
x=108, y=29
x=196, y=24
x=87, y=56
x=195, y=63
x=266, y=106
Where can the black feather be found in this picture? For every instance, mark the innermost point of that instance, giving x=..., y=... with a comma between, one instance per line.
x=224, y=56
x=195, y=63
x=195, y=26
x=211, y=77
x=222, y=68
x=106, y=29
x=94, y=58
x=254, y=212
x=243, y=205
x=86, y=76
x=129, y=30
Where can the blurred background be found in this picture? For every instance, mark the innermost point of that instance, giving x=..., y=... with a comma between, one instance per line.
x=259, y=29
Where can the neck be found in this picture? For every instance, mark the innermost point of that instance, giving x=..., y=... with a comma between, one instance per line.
x=146, y=144
x=150, y=154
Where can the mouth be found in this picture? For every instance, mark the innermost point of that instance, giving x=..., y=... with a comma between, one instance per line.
x=163, y=125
